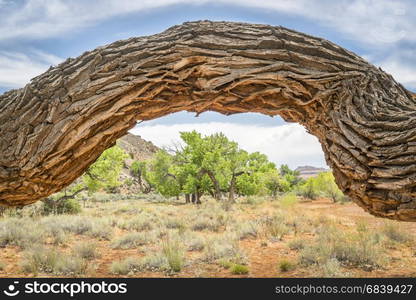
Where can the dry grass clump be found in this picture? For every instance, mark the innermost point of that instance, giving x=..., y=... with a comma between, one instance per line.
x=173, y=251
x=286, y=265
x=362, y=249
x=21, y=232
x=130, y=265
x=133, y=240
x=246, y=229
x=86, y=250
x=396, y=233
x=332, y=269
x=297, y=244
x=143, y=222
x=50, y=261
x=223, y=248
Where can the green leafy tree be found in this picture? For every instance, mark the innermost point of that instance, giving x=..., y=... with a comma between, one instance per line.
x=139, y=170
x=105, y=172
x=161, y=175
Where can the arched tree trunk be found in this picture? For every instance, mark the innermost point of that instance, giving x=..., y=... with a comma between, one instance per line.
x=56, y=126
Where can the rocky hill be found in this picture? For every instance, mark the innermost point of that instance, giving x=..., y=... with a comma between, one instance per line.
x=136, y=147
x=309, y=171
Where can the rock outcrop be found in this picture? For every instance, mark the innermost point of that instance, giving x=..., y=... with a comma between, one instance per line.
x=57, y=125
x=309, y=171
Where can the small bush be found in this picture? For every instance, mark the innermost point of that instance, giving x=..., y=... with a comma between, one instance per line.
x=332, y=268
x=101, y=231
x=123, y=267
x=247, y=229
x=226, y=264
x=297, y=244
x=239, y=269
x=20, y=232
x=360, y=250
x=66, y=206
x=206, y=223
x=194, y=243
x=288, y=200
x=132, y=240
x=276, y=228
x=173, y=253
x=2, y=265
x=155, y=262
x=142, y=222
x=40, y=259
x=395, y=233
x=286, y=266
x=86, y=250
x=224, y=247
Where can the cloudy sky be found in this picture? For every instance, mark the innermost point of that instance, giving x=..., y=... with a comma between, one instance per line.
x=35, y=34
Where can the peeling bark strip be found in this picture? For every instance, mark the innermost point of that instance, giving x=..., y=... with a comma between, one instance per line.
x=56, y=126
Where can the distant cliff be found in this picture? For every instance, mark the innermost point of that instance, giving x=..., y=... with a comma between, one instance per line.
x=309, y=171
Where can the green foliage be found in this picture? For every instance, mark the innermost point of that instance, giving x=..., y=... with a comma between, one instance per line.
x=211, y=164
x=161, y=175
x=104, y=173
x=61, y=206
x=322, y=185
x=286, y=265
x=239, y=269
x=288, y=200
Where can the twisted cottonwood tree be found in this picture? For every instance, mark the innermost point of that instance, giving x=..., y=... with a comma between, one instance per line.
x=57, y=125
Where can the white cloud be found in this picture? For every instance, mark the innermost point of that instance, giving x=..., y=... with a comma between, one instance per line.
x=369, y=21
x=16, y=69
x=289, y=143
x=402, y=70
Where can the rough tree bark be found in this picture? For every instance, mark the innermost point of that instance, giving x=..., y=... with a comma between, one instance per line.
x=57, y=125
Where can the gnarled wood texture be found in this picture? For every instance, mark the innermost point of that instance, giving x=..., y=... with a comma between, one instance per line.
x=56, y=126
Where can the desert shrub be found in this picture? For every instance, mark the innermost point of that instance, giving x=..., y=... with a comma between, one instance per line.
x=72, y=265
x=207, y=223
x=154, y=262
x=59, y=237
x=77, y=225
x=224, y=247
x=247, y=229
x=100, y=230
x=123, y=267
x=41, y=259
x=239, y=269
x=2, y=265
x=226, y=264
x=175, y=223
x=396, y=233
x=142, y=222
x=308, y=189
x=194, y=242
x=275, y=227
x=86, y=250
x=288, y=200
x=360, y=250
x=133, y=240
x=252, y=200
x=65, y=206
x=20, y=232
x=285, y=265
x=297, y=244
x=332, y=268
x=173, y=251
